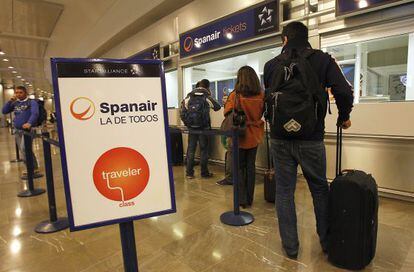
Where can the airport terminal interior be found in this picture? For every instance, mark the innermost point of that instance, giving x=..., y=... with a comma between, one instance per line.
x=108, y=188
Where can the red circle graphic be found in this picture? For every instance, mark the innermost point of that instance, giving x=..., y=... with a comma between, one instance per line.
x=121, y=174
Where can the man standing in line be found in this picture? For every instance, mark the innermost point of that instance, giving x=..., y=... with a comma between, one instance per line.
x=195, y=113
x=26, y=114
x=307, y=151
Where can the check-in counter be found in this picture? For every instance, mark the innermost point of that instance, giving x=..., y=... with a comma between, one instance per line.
x=380, y=142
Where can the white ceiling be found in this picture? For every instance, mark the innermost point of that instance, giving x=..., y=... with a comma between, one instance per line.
x=33, y=31
x=25, y=29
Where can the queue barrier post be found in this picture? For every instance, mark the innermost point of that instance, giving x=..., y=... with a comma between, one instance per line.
x=31, y=191
x=54, y=223
x=236, y=217
x=129, y=250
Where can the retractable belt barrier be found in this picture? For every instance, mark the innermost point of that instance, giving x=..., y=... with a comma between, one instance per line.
x=28, y=140
x=54, y=223
x=235, y=217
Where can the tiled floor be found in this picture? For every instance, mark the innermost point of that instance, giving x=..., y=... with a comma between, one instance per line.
x=191, y=240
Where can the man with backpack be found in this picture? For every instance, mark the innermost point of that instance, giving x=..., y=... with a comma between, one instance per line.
x=296, y=106
x=26, y=116
x=195, y=113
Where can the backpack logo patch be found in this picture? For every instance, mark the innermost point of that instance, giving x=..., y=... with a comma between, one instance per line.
x=292, y=126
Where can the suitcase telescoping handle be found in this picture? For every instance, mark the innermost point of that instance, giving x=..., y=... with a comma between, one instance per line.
x=338, y=150
x=267, y=146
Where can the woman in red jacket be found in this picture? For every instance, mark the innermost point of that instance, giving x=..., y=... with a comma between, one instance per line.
x=248, y=96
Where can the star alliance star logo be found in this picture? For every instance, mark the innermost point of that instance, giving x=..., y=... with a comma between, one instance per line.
x=135, y=70
x=155, y=54
x=265, y=16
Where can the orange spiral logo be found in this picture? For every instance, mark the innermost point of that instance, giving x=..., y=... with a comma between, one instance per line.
x=82, y=108
x=188, y=44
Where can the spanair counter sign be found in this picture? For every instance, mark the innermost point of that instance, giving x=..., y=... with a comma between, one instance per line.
x=112, y=118
x=253, y=22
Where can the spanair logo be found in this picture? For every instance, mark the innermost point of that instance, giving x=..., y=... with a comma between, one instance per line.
x=265, y=17
x=121, y=174
x=188, y=44
x=82, y=108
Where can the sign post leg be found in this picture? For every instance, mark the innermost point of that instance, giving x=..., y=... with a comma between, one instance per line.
x=129, y=250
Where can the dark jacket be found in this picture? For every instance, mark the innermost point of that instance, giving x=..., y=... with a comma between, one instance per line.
x=203, y=92
x=330, y=76
x=26, y=111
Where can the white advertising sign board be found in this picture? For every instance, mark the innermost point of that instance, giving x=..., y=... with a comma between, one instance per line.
x=113, y=131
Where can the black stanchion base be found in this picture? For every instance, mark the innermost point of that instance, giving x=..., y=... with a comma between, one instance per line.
x=242, y=219
x=50, y=227
x=28, y=193
x=35, y=176
x=15, y=161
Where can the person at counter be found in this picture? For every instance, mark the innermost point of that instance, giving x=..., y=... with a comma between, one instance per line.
x=307, y=151
x=248, y=97
x=195, y=113
x=226, y=141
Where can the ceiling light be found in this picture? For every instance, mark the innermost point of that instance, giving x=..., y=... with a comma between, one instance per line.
x=2, y=53
x=14, y=72
x=5, y=60
x=363, y=4
x=11, y=67
x=19, y=76
x=23, y=79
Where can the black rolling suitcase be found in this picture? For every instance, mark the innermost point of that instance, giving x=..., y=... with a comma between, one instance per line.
x=269, y=175
x=353, y=215
x=176, y=146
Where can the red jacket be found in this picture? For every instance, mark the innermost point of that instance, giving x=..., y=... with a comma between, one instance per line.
x=253, y=108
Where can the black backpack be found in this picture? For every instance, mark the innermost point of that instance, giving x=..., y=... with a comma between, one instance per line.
x=296, y=100
x=42, y=114
x=197, y=113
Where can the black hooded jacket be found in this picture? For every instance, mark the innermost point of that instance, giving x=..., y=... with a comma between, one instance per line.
x=330, y=76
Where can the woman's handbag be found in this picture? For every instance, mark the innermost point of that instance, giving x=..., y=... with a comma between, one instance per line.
x=235, y=119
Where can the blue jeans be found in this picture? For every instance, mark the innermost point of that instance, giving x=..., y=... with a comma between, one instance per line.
x=20, y=143
x=191, y=149
x=311, y=156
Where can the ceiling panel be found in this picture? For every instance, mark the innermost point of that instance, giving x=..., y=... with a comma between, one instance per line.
x=27, y=48
x=35, y=18
x=6, y=15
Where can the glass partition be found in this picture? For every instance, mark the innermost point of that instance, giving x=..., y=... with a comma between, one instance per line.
x=222, y=74
x=380, y=70
x=171, y=83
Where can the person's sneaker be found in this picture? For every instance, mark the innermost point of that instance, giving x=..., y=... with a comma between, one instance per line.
x=293, y=256
x=324, y=249
x=208, y=175
x=291, y=253
x=190, y=176
x=224, y=182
